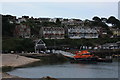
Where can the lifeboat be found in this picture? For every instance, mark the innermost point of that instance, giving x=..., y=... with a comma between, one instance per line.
x=81, y=56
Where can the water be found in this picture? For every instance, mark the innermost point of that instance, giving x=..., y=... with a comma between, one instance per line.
x=68, y=70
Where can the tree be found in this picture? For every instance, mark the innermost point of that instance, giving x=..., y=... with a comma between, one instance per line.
x=118, y=25
x=17, y=44
x=7, y=28
x=102, y=24
x=87, y=22
x=104, y=20
x=97, y=19
x=113, y=20
x=58, y=22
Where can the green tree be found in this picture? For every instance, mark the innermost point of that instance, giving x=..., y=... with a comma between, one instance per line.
x=97, y=19
x=104, y=20
x=113, y=20
x=7, y=28
x=17, y=44
x=58, y=22
x=87, y=22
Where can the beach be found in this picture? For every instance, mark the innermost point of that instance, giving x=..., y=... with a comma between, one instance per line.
x=14, y=60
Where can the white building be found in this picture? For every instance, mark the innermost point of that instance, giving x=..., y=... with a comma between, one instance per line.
x=54, y=19
x=72, y=22
x=110, y=46
x=39, y=46
x=78, y=32
x=19, y=20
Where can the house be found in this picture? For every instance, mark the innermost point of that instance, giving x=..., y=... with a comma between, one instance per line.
x=39, y=46
x=77, y=32
x=11, y=19
x=102, y=32
x=116, y=32
x=52, y=32
x=22, y=31
x=19, y=20
x=109, y=25
x=71, y=22
x=118, y=43
x=26, y=17
x=44, y=19
x=110, y=46
x=54, y=19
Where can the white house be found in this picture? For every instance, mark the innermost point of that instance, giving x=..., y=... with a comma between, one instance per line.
x=52, y=20
x=19, y=20
x=78, y=32
x=110, y=46
x=39, y=46
x=72, y=22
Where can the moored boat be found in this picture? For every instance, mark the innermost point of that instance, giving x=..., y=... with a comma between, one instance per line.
x=81, y=56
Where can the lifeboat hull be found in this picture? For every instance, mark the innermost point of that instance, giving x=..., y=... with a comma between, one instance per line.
x=74, y=60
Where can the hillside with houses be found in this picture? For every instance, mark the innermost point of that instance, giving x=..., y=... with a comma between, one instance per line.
x=24, y=30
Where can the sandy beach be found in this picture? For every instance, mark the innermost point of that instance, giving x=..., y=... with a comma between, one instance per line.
x=14, y=60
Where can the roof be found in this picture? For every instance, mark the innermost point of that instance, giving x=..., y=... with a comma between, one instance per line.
x=110, y=44
x=108, y=24
x=52, y=28
x=40, y=44
x=65, y=19
x=118, y=42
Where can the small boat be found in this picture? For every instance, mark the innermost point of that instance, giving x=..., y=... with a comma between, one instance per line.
x=81, y=56
x=104, y=60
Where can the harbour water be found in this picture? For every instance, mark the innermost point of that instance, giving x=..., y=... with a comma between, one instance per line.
x=68, y=70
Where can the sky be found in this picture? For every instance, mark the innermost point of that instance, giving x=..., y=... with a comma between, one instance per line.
x=119, y=10
x=79, y=10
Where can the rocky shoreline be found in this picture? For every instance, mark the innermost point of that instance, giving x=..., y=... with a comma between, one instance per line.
x=6, y=75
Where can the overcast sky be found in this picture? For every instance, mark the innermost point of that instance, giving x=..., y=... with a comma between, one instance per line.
x=80, y=10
